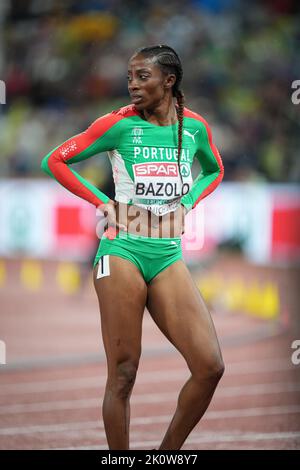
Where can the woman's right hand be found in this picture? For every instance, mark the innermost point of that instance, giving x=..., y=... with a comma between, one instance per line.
x=109, y=211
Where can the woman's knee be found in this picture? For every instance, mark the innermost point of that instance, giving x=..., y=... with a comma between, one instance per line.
x=211, y=369
x=123, y=379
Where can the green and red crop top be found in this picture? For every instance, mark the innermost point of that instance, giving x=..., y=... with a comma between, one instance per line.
x=144, y=160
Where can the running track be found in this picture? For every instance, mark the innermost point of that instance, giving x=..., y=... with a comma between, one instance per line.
x=52, y=387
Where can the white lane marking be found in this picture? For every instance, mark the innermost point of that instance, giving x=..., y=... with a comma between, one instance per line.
x=207, y=438
x=247, y=368
x=150, y=420
x=243, y=390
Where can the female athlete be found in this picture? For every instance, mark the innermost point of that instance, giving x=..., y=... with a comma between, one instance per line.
x=151, y=144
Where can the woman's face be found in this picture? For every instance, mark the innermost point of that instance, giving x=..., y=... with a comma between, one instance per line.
x=147, y=84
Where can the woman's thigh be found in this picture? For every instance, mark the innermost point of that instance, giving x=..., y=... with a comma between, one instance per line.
x=175, y=304
x=122, y=297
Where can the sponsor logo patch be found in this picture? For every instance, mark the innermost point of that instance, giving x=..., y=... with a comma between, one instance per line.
x=156, y=169
x=158, y=181
x=137, y=133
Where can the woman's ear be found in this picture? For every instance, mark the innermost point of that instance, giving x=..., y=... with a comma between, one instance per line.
x=170, y=80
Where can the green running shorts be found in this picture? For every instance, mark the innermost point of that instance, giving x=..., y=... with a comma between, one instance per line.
x=150, y=255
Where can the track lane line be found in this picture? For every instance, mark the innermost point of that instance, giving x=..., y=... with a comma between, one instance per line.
x=206, y=438
x=243, y=368
x=146, y=421
x=243, y=390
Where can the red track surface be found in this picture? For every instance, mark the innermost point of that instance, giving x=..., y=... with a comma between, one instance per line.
x=52, y=386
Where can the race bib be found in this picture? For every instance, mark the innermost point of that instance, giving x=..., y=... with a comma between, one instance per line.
x=158, y=182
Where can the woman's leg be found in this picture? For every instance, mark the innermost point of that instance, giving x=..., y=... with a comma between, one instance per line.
x=122, y=298
x=178, y=309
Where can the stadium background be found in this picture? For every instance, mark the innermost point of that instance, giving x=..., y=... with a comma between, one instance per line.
x=63, y=63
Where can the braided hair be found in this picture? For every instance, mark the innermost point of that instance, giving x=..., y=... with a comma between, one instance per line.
x=168, y=61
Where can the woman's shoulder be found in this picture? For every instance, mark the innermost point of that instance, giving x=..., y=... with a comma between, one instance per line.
x=120, y=113
x=106, y=121
x=126, y=111
x=193, y=115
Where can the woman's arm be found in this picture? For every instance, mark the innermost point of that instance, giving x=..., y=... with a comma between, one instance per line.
x=102, y=135
x=212, y=169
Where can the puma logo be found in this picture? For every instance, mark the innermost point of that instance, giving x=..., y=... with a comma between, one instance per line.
x=185, y=132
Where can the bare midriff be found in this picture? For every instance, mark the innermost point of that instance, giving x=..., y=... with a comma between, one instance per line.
x=141, y=222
